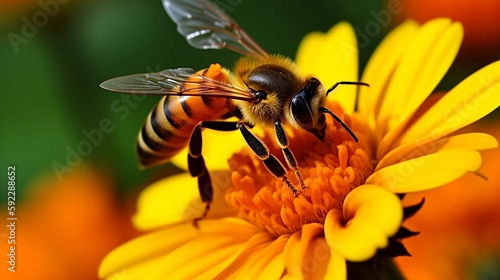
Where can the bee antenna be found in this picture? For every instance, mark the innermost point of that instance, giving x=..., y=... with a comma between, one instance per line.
x=345, y=83
x=327, y=111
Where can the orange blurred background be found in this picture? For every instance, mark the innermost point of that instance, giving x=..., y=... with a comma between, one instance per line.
x=64, y=229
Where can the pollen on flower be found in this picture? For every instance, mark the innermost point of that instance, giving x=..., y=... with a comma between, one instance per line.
x=330, y=171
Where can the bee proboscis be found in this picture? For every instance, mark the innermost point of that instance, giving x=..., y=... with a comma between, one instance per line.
x=263, y=89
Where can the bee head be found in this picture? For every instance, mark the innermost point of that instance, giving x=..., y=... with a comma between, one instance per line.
x=305, y=105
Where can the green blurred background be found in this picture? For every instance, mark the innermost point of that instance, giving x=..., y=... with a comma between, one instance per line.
x=49, y=78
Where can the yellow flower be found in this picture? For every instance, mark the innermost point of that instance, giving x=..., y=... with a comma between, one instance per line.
x=349, y=211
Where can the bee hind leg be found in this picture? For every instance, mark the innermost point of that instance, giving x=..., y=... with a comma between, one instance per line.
x=196, y=162
x=206, y=192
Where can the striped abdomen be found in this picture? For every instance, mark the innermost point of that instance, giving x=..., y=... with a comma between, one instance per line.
x=168, y=127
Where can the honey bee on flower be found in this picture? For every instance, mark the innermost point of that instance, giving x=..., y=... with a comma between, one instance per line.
x=348, y=221
x=263, y=89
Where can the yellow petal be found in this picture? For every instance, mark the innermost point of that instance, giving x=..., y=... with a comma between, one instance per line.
x=469, y=101
x=426, y=172
x=297, y=246
x=421, y=69
x=160, y=252
x=332, y=57
x=255, y=244
x=337, y=268
x=180, y=160
x=316, y=262
x=217, y=262
x=293, y=255
x=257, y=265
x=274, y=269
x=206, y=252
x=308, y=256
x=177, y=199
x=381, y=67
x=217, y=148
x=468, y=141
x=370, y=215
x=144, y=248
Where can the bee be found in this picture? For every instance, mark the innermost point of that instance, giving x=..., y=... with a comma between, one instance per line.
x=263, y=89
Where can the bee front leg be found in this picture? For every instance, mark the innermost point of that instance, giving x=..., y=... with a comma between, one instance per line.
x=289, y=157
x=270, y=161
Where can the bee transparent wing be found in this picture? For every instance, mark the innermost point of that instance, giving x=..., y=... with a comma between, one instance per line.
x=181, y=81
x=206, y=26
x=160, y=83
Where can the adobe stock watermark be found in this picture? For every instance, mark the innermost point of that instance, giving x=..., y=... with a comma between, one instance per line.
x=381, y=19
x=95, y=136
x=31, y=25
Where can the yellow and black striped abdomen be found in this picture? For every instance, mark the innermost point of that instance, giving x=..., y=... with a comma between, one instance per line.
x=169, y=125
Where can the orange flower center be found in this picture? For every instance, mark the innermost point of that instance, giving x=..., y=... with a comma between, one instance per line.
x=330, y=171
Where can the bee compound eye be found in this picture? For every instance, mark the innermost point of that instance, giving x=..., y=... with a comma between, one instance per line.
x=301, y=112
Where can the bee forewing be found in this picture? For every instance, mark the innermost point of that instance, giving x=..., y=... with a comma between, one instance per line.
x=181, y=81
x=147, y=83
x=206, y=26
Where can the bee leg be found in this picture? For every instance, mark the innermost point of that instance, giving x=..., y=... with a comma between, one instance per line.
x=206, y=193
x=270, y=161
x=289, y=157
x=196, y=162
x=198, y=169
